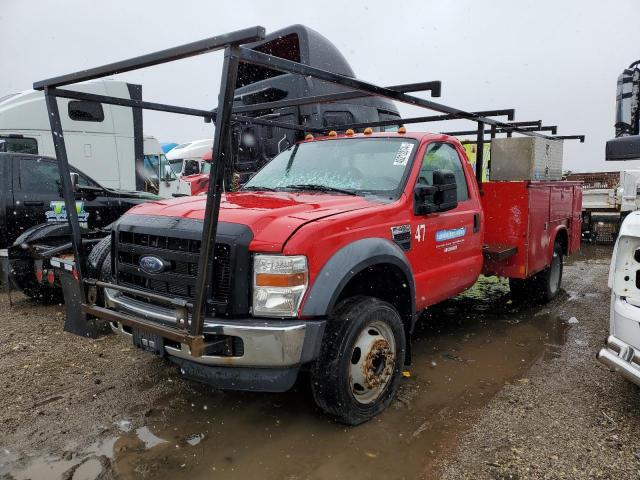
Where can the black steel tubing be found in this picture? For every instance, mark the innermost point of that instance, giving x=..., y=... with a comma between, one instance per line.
x=509, y=113
x=204, y=279
x=211, y=44
x=275, y=63
x=67, y=188
x=434, y=87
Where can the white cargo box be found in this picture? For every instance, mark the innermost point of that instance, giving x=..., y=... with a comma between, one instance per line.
x=525, y=158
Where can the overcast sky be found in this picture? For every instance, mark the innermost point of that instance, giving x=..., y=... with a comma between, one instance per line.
x=552, y=60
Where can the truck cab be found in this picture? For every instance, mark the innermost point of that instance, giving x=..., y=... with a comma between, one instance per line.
x=325, y=258
x=34, y=216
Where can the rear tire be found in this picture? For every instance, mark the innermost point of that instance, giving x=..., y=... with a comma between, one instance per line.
x=359, y=368
x=543, y=286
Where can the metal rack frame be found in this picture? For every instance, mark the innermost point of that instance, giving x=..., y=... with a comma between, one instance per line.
x=223, y=116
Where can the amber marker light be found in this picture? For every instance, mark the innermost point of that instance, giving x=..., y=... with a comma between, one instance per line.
x=280, y=279
x=368, y=131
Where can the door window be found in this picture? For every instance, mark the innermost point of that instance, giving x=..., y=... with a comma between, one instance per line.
x=86, y=111
x=19, y=145
x=39, y=176
x=443, y=156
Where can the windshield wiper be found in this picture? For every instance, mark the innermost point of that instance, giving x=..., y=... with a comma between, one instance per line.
x=258, y=188
x=319, y=188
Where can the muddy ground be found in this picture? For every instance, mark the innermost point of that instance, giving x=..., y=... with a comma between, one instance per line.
x=495, y=391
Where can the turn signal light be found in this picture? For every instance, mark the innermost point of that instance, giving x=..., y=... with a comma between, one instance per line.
x=333, y=133
x=368, y=131
x=280, y=279
x=402, y=130
x=349, y=132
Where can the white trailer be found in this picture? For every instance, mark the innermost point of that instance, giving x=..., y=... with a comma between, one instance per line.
x=95, y=133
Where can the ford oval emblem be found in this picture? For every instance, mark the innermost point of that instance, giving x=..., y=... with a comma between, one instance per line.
x=151, y=264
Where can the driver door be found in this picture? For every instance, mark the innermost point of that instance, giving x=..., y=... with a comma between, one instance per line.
x=446, y=251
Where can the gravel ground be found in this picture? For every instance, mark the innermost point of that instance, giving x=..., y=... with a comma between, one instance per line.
x=569, y=418
x=60, y=392
x=63, y=398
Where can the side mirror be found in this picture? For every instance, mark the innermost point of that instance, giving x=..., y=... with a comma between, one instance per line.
x=623, y=148
x=439, y=197
x=75, y=181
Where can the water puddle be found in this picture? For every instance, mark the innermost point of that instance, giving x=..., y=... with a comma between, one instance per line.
x=464, y=351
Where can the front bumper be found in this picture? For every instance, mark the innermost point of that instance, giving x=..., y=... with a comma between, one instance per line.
x=622, y=358
x=621, y=352
x=273, y=350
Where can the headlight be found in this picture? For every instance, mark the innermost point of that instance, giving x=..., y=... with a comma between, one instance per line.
x=279, y=283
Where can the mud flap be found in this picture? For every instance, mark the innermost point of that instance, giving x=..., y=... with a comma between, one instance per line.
x=76, y=321
x=5, y=268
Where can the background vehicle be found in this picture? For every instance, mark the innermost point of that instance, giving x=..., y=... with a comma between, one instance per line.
x=607, y=198
x=620, y=351
x=623, y=344
x=182, y=161
x=254, y=145
x=34, y=218
x=98, y=135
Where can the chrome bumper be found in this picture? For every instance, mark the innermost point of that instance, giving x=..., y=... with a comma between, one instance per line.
x=622, y=358
x=267, y=343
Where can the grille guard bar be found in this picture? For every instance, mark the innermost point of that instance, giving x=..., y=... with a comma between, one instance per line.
x=182, y=308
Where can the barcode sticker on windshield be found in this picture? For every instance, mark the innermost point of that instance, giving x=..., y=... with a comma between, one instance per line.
x=404, y=152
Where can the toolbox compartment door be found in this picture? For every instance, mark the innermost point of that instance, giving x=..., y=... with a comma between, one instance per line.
x=541, y=197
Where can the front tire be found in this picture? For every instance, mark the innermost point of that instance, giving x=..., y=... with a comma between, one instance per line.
x=362, y=354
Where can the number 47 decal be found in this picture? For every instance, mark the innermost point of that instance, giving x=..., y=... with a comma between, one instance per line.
x=420, y=233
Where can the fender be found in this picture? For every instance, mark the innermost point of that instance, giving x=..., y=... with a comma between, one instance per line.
x=557, y=231
x=348, y=262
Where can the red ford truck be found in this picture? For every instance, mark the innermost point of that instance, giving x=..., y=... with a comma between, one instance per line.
x=327, y=255
x=325, y=258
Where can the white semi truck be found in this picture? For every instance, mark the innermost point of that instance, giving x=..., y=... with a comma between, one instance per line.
x=95, y=134
x=622, y=348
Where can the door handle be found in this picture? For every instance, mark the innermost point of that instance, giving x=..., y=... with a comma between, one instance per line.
x=476, y=222
x=34, y=203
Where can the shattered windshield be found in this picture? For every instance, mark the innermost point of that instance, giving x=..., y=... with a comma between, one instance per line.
x=356, y=165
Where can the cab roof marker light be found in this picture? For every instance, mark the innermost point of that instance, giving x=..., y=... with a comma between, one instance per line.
x=349, y=132
x=308, y=136
x=368, y=131
x=402, y=130
x=332, y=133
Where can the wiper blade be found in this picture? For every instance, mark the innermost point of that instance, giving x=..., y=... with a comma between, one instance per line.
x=319, y=188
x=259, y=188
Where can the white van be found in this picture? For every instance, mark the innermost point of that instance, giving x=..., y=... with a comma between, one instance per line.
x=95, y=133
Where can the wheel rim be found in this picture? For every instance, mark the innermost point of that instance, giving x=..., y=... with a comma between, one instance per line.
x=373, y=361
x=554, y=277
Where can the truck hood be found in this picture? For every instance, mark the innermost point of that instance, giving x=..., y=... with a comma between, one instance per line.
x=271, y=216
